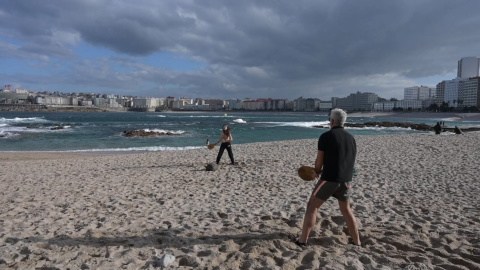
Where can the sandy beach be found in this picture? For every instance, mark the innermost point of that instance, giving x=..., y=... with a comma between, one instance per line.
x=416, y=200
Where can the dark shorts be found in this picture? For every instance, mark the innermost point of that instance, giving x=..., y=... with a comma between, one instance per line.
x=340, y=190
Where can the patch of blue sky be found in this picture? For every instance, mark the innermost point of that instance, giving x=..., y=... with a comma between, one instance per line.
x=11, y=66
x=15, y=65
x=11, y=41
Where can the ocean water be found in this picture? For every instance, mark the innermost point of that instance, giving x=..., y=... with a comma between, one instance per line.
x=103, y=131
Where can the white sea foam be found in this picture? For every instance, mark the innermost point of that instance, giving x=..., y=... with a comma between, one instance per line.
x=24, y=120
x=178, y=132
x=240, y=121
x=17, y=130
x=451, y=119
x=296, y=124
x=6, y=134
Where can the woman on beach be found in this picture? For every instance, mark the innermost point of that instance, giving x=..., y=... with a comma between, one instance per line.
x=226, y=138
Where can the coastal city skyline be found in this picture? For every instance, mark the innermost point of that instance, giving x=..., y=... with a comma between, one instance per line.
x=462, y=92
x=234, y=50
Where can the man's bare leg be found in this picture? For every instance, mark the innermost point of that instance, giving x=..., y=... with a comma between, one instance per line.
x=310, y=217
x=352, y=224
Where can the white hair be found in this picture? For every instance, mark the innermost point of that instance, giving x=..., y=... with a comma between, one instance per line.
x=339, y=115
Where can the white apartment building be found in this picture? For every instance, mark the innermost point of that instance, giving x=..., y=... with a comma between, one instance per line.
x=112, y=102
x=145, y=102
x=469, y=92
x=440, y=88
x=408, y=104
x=356, y=102
x=468, y=67
x=216, y=104
x=324, y=105
x=300, y=104
x=452, y=94
x=235, y=104
x=85, y=103
x=53, y=100
x=410, y=93
x=20, y=91
x=187, y=100
x=180, y=103
x=383, y=106
x=275, y=104
x=254, y=105
x=418, y=93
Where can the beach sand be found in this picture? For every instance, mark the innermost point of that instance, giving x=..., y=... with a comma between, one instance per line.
x=415, y=198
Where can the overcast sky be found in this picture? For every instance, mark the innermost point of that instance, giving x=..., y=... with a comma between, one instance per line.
x=235, y=49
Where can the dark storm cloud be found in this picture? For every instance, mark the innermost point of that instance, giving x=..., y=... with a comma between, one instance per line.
x=252, y=48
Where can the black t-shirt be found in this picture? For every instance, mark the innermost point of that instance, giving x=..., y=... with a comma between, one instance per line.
x=340, y=150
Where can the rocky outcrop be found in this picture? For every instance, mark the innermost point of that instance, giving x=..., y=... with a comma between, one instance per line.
x=414, y=126
x=422, y=127
x=143, y=133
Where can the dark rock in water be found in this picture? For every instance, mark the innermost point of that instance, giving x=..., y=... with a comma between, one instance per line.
x=143, y=133
x=423, y=127
x=211, y=167
x=57, y=127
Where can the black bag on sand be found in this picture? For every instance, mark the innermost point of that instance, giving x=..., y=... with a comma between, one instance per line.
x=211, y=167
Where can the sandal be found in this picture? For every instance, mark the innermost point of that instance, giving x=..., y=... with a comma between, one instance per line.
x=300, y=244
x=350, y=241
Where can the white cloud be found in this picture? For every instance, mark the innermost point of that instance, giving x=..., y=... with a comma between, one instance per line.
x=257, y=72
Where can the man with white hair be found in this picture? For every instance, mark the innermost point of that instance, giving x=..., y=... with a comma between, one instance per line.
x=335, y=162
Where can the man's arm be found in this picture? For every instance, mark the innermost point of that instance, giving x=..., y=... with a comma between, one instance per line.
x=319, y=163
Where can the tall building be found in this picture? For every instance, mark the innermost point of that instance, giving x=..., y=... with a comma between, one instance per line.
x=469, y=93
x=418, y=93
x=452, y=91
x=356, y=102
x=468, y=67
x=440, y=89
x=300, y=104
